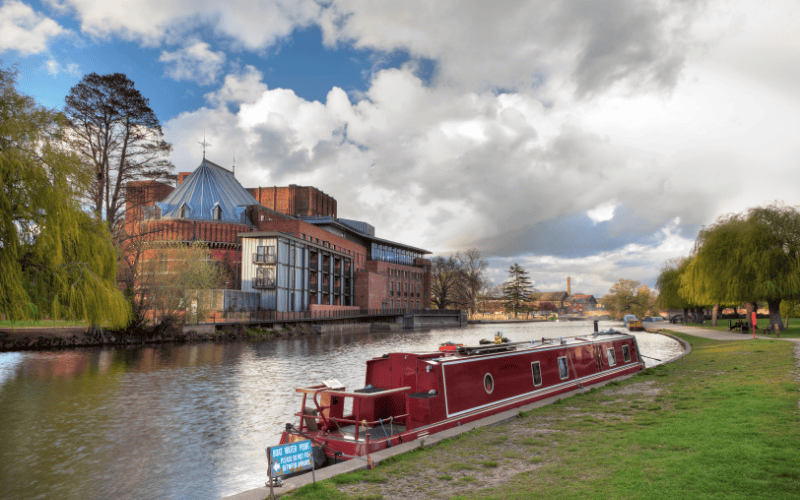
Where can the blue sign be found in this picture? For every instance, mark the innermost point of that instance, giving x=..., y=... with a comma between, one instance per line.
x=290, y=458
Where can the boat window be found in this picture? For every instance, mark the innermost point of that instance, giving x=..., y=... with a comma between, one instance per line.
x=488, y=383
x=612, y=358
x=626, y=353
x=563, y=369
x=537, y=374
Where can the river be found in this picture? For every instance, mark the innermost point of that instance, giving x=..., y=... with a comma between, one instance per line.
x=188, y=421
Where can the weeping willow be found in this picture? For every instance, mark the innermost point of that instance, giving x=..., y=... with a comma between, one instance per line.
x=56, y=261
x=747, y=258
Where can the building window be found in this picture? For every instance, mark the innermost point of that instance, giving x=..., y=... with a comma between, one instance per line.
x=184, y=211
x=537, y=374
x=265, y=255
x=563, y=368
x=216, y=214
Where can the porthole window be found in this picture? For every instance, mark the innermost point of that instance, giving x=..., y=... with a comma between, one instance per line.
x=612, y=358
x=488, y=383
x=626, y=353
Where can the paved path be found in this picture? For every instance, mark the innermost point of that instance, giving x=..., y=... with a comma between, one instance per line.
x=720, y=334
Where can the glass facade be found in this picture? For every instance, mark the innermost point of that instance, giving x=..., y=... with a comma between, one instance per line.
x=393, y=255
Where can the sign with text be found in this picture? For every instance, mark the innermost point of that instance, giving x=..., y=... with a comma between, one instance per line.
x=290, y=458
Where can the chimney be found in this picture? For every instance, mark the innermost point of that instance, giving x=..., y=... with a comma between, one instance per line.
x=569, y=288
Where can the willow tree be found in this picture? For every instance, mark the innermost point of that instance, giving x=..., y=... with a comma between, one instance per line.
x=56, y=261
x=747, y=258
x=669, y=285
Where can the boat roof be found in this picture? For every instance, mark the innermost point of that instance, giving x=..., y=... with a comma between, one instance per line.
x=519, y=347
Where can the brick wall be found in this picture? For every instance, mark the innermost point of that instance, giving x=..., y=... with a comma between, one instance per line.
x=296, y=200
x=143, y=193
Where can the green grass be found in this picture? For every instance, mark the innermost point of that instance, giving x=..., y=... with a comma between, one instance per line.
x=40, y=323
x=723, y=422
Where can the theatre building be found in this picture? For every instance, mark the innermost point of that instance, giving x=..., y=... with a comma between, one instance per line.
x=294, y=252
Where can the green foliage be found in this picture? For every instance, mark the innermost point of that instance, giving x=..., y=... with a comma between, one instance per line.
x=628, y=297
x=669, y=285
x=747, y=258
x=56, y=262
x=176, y=279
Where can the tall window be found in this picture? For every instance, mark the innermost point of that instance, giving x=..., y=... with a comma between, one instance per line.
x=265, y=254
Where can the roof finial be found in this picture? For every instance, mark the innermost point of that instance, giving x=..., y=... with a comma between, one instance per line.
x=234, y=162
x=204, y=144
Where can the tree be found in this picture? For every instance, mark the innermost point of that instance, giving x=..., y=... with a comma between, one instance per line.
x=747, y=258
x=117, y=135
x=517, y=291
x=57, y=261
x=445, y=276
x=669, y=285
x=173, y=279
x=457, y=280
x=628, y=297
x=472, y=267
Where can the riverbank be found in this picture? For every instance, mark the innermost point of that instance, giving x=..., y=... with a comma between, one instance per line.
x=721, y=422
x=38, y=338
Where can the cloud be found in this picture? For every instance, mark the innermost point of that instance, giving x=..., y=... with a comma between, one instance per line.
x=24, y=30
x=603, y=212
x=252, y=25
x=237, y=88
x=589, y=45
x=194, y=62
x=601, y=178
x=54, y=68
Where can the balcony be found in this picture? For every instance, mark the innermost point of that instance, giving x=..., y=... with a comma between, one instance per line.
x=264, y=258
x=262, y=283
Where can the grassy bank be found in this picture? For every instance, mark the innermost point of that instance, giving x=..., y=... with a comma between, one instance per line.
x=793, y=331
x=721, y=423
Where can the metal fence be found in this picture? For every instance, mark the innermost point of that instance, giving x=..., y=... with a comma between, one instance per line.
x=267, y=316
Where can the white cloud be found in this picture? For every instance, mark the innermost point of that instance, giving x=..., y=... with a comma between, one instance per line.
x=237, y=88
x=24, y=30
x=54, y=68
x=253, y=25
x=523, y=174
x=194, y=62
x=603, y=212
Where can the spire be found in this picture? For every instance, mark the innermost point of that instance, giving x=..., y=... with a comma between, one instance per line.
x=204, y=144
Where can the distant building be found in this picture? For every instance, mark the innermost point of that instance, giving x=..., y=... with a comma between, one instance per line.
x=284, y=242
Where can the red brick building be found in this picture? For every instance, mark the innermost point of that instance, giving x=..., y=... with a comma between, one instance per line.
x=210, y=205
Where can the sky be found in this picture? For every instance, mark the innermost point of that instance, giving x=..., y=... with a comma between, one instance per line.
x=591, y=138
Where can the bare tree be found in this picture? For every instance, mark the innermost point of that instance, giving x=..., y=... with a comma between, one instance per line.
x=473, y=276
x=118, y=137
x=445, y=277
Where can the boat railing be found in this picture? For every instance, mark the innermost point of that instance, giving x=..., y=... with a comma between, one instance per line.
x=330, y=422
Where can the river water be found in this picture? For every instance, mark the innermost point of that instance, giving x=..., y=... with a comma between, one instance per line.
x=188, y=421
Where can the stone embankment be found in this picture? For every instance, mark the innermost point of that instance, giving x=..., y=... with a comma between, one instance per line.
x=20, y=339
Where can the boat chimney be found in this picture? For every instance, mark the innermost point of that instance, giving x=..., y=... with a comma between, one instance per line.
x=569, y=288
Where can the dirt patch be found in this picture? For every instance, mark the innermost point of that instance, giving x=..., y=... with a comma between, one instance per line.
x=645, y=388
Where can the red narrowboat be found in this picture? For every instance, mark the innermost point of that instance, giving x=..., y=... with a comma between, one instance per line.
x=408, y=396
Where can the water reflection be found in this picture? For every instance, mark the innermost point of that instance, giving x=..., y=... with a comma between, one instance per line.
x=185, y=421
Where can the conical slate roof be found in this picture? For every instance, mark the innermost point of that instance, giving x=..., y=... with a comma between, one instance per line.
x=206, y=188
